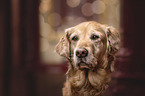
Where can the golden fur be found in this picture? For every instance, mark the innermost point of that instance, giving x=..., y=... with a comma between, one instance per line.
x=91, y=77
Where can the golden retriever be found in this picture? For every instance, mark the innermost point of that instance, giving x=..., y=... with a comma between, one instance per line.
x=90, y=48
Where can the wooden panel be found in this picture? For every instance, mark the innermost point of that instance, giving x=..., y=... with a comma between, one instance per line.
x=19, y=54
x=129, y=78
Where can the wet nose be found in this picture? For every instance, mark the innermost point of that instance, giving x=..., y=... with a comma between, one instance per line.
x=80, y=53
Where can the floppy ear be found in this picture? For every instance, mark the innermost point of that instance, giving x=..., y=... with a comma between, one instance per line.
x=113, y=38
x=113, y=44
x=62, y=48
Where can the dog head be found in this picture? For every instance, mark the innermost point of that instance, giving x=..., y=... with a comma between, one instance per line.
x=86, y=44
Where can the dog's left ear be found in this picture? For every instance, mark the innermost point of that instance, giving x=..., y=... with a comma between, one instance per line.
x=113, y=39
x=62, y=48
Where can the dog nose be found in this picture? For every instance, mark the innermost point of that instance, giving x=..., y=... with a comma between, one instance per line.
x=81, y=53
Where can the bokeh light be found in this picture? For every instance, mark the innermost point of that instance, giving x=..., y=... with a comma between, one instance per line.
x=69, y=20
x=41, y=20
x=110, y=2
x=87, y=9
x=73, y=3
x=44, y=45
x=61, y=29
x=79, y=20
x=118, y=13
x=98, y=7
x=45, y=29
x=45, y=6
x=54, y=19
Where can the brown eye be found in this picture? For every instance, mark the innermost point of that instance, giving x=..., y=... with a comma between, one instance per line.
x=75, y=38
x=94, y=37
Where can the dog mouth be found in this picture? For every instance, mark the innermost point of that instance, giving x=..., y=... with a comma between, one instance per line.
x=84, y=65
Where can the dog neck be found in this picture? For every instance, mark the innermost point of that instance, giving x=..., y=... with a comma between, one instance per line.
x=94, y=81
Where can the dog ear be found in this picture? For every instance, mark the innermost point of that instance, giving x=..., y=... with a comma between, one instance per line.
x=62, y=48
x=113, y=45
x=113, y=39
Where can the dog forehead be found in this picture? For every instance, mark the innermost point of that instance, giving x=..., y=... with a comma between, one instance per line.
x=89, y=28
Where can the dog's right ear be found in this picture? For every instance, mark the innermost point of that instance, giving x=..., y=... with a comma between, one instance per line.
x=62, y=48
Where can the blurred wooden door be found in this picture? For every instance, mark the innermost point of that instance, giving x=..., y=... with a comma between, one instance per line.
x=19, y=47
x=129, y=75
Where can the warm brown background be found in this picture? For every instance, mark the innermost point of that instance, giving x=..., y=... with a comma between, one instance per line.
x=57, y=15
x=24, y=71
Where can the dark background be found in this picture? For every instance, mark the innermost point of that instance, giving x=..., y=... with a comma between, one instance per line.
x=23, y=74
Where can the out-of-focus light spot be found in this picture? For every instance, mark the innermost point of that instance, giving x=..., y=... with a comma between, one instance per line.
x=45, y=29
x=87, y=9
x=98, y=7
x=68, y=20
x=111, y=2
x=118, y=12
x=61, y=28
x=41, y=19
x=44, y=45
x=54, y=19
x=80, y=20
x=73, y=3
x=46, y=0
x=45, y=6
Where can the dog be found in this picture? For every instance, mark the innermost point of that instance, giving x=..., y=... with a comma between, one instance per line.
x=90, y=49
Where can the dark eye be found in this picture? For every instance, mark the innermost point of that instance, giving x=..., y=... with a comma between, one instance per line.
x=94, y=37
x=75, y=38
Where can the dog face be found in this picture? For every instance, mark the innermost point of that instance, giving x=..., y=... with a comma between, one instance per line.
x=87, y=43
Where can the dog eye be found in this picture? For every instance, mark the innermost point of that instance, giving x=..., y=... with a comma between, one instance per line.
x=94, y=37
x=75, y=38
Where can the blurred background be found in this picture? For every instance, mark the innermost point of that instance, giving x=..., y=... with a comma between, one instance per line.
x=30, y=30
x=57, y=15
